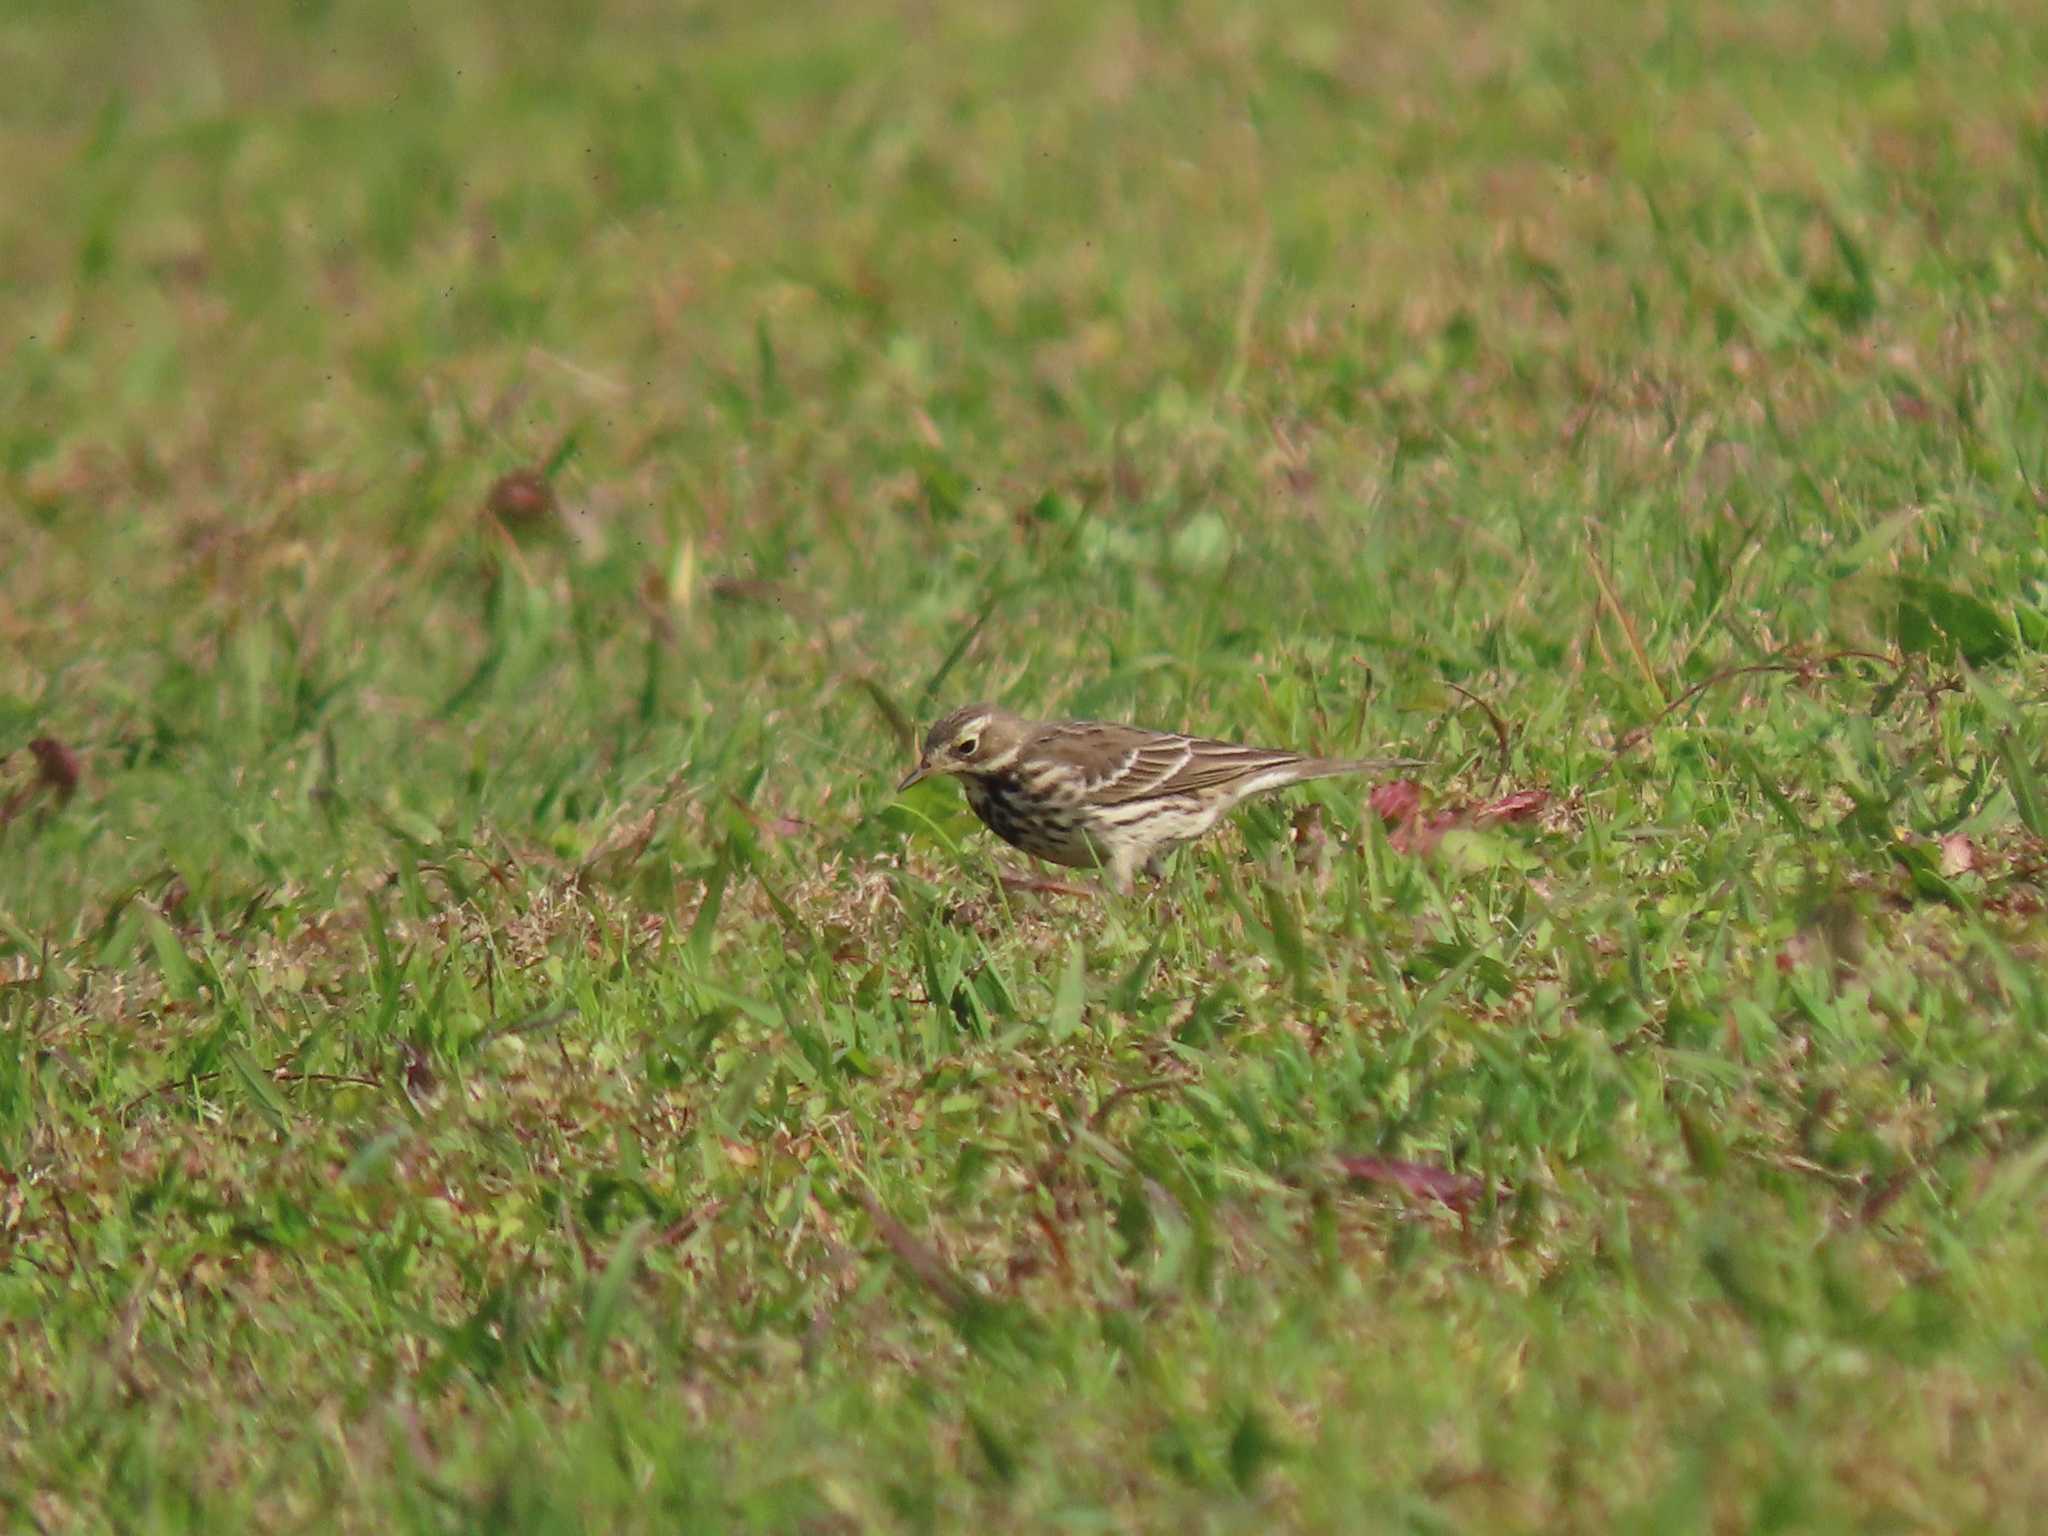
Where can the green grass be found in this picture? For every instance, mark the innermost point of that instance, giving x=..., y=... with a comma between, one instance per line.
x=483, y=1047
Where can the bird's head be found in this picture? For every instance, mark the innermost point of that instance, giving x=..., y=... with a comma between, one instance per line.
x=981, y=738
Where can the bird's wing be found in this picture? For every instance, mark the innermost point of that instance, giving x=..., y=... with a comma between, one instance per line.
x=1119, y=763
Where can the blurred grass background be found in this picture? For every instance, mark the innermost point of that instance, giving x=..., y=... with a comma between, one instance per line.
x=485, y=497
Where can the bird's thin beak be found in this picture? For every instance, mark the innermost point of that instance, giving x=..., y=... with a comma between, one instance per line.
x=922, y=770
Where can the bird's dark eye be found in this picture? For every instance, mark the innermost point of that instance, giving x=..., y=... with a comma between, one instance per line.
x=965, y=746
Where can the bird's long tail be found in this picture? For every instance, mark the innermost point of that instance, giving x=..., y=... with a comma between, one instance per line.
x=1331, y=767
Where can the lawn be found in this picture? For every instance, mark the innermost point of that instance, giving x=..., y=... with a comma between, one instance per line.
x=488, y=496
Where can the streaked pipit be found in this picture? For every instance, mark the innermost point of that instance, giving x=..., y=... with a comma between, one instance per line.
x=1086, y=793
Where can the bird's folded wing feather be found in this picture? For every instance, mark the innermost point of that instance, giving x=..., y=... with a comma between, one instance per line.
x=1123, y=763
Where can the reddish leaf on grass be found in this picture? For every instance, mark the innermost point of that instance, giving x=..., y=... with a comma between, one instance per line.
x=1522, y=805
x=1958, y=855
x=1419, y=836
x=1459, y=1191
x=56, y=765
x=1399, y=805
x=1397, y=801
x=521, y=500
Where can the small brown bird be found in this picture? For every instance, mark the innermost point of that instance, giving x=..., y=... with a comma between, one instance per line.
x=1085, y=793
